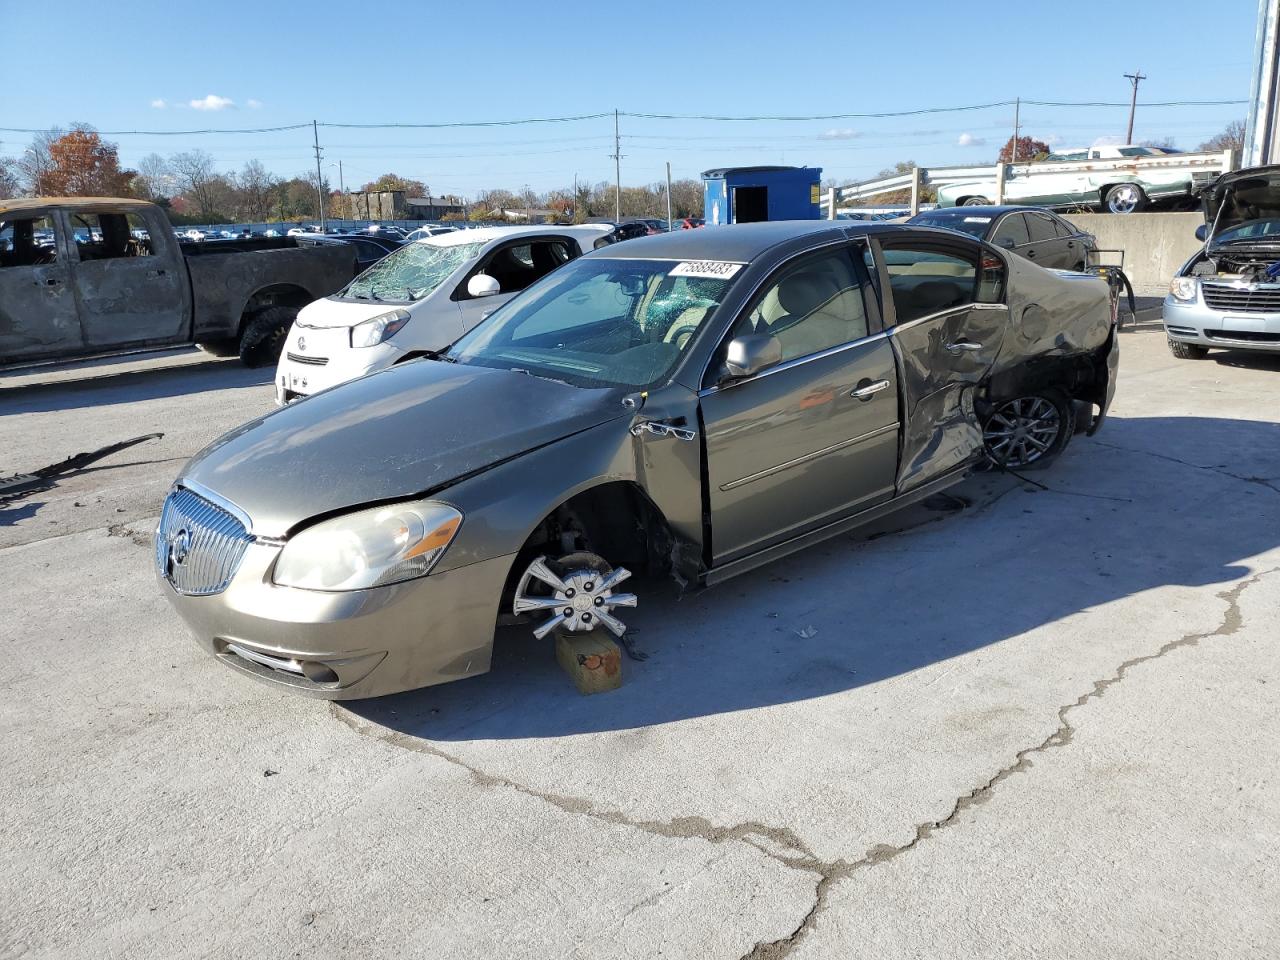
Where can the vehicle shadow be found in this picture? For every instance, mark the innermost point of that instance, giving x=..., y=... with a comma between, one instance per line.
x=130, y=386
x=1248, y=359
x=1120, y=517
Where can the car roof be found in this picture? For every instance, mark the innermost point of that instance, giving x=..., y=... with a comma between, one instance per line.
x=485, y=234
x=736, y=243
x=982, y=210
x=24, y=204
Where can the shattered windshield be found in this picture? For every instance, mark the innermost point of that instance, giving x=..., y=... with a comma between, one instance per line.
x=601, y=323
x=410, y=273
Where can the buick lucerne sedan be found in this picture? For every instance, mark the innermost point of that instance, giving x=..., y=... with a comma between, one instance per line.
x=693, y=404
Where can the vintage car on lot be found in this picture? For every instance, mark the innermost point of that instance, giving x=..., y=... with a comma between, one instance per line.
x=693, y=404
x=420, y=299
x=1027, y=231
x=115, y=278
x=1123, y=183
x=1228, y=294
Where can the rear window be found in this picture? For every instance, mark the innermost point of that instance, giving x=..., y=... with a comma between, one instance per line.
x=975, y=226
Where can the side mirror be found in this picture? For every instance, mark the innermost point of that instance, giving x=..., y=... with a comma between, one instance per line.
x=1202, y=232
x=483, y=285
x=751, y=354
x=1006, y=242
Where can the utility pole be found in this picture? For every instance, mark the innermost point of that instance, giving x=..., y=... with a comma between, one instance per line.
x=1017, y=110
x=617, y=170
x=668, y=196
x=315, y=132
x=575, y=198
x=1134, y=78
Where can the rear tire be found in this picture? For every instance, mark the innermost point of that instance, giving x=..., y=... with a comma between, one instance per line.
x=264, y=336
x=1187, y=351
x=1124, y=198
x=1029, y=431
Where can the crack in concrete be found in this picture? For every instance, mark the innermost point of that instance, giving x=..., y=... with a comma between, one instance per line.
x=1060, y=737
x=1221, y=471
x=784, y=845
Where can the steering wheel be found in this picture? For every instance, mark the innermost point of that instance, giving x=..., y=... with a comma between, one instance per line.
x=680, y=334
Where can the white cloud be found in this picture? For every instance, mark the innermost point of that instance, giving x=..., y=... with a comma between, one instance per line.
x=969, y=140
x=213, y=102
x=253, y=104
x=839, y=134
x=158, y=104
x=1108, y=142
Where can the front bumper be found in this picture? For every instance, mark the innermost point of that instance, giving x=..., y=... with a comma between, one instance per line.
x=1195, y=322
x=349, y=645
x=316, y=358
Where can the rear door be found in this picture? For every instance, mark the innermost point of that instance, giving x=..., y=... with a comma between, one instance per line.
x=948, y=319
x=1011, y=233
x=129, y=279
x=1047, y=247
x=516, y=265
x=814, y=437
x=38, y=315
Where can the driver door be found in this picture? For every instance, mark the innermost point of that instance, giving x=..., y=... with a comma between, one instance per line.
x=815, y=436
x=39, y=317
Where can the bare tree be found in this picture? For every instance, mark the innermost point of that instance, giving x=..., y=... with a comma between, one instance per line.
x=10, y=181
x=36, y=161
x=195, y=178
x=1232, y=138
x=257, y=190
x=154, y=179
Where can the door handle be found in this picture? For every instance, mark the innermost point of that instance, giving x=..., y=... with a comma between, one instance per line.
x=866, y=389
x=1031, y=254
x=963, y=346
x=50, y=281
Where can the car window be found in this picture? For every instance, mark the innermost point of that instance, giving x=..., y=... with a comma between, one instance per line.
x=813, y=306
x=27, y=242
x=1040, y=227
x=1012, y=227
x=1063, y=228
x=109, y=235
x=599, y=322
x=927, y=280
x=519, y=265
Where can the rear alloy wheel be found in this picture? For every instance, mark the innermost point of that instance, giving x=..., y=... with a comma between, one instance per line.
x=1125, y=198
x=574, y=594
x=1187, y=351
x=1028, y=432
x=974, y=202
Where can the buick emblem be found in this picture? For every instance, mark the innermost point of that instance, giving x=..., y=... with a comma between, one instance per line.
x=179, y=547
x=302, y=343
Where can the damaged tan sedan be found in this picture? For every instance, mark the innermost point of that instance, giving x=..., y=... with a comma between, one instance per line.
x=693, y=404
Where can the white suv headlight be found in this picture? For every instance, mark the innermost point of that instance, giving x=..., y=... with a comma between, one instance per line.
x=369, y=548
x=373, y=331
x=1183, y=288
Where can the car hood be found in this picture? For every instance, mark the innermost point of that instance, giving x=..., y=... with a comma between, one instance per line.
x=400, y=433
x=331, y=312
x=1242, y=195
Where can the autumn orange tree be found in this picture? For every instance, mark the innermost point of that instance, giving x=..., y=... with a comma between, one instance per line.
x=82, y=164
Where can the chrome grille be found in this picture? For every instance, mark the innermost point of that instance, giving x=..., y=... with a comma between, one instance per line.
x=1242, y=299
x=312, y=361
x=199, y=545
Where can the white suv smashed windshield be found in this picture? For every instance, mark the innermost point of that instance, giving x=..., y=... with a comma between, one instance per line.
x=409, y=273
x=599, y=322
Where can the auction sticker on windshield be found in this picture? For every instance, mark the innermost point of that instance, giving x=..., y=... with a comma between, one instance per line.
x=716, y=269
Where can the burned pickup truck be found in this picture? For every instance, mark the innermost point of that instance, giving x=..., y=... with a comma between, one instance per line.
x=695, y=404
x=89, y=276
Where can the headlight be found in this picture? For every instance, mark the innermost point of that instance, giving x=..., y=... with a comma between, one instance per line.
x=369, y=548
x=1183, y=288
x=373, y=331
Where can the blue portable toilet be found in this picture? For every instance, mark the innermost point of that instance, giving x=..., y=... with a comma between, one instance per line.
x=752, y=194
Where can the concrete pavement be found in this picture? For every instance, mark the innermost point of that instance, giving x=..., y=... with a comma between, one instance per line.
x=1037, y=726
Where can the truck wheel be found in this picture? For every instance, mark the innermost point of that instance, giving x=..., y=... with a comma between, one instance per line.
x=1124, y=198
x=1187, y=351
x=263, y=337
x=226, y=347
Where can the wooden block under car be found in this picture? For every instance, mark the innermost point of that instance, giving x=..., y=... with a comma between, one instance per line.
x=592, y=661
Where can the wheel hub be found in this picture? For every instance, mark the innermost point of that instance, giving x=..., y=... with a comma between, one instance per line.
x=1022, y=431
x=578, y=599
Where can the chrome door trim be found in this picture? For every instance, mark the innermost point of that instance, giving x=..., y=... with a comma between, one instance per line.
x=932, y=316
x=795, y=362
x=778, y=468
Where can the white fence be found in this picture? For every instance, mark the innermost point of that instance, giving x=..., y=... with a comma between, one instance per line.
x=1200, y=166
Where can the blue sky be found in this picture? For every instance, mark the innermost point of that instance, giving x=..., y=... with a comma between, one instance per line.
x=136, y=65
